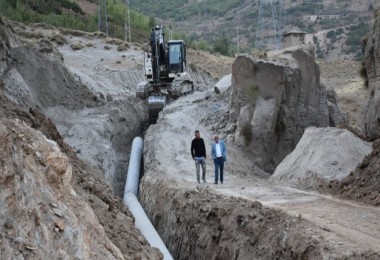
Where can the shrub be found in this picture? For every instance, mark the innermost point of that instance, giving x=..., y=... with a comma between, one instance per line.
x=123, y=46
x=193, y=67
x=252, y=93
x=58, y=38
x=246, y=132
x=77, y=46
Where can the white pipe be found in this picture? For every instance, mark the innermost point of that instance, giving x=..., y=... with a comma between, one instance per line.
x=132, y=184
x=130, y=200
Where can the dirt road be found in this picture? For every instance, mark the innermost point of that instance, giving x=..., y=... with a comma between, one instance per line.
x=344, y=225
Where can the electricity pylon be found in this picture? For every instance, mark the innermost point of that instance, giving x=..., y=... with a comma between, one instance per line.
x=127, y=23
x=102, y=16
x=270, y=24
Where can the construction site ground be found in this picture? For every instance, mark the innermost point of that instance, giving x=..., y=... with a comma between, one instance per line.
x=346, y=226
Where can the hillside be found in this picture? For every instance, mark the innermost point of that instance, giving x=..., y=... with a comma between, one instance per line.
x=208, y=20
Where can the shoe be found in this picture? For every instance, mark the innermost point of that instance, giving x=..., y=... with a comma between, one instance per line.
x=221, y=182
x=199, y=182
x=204, y=181
x=215, y=183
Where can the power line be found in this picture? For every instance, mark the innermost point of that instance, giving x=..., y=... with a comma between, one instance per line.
x=270, y=24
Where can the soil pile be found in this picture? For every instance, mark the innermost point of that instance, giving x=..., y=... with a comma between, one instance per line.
x=55, y=205
x=326, y=153
x=363, y=183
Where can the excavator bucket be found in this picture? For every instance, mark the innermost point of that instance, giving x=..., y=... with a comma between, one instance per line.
x=155, y=104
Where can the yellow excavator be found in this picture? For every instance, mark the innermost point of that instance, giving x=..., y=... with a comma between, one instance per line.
x=165, y=73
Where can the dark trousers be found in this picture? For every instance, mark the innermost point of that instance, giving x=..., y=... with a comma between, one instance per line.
x=219, y=164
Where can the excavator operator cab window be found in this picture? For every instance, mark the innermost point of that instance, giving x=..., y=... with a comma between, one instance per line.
x=175, y=58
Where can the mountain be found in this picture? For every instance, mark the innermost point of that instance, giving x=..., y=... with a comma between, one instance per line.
x=337, y=26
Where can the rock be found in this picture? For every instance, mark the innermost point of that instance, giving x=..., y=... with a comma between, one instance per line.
x=54, y=205
x=371, y=111
x=57, y=212
x=30, y=247
x=336, y=117
x=257, y=204
x=109, y=97
x=58, y=223
x=217, y=90
x=275, y=100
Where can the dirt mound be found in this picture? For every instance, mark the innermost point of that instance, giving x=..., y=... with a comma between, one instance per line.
x=327, y=153
x=39, y=177
x=363, y=183
x=93, y=194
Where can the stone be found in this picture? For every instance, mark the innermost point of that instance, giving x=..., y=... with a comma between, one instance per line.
x=57, y=212
x=371, y=111
x=275, y=100
x=58, y=223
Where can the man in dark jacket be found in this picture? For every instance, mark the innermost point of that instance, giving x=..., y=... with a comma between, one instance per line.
x=198, y=152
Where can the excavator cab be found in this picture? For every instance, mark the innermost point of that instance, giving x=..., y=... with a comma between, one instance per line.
x=176, y=56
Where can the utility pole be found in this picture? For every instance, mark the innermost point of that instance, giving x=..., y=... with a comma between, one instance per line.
x=127, y=22
x=102, y=16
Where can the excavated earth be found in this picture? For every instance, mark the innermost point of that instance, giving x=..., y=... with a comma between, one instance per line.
x=53, y=204
x=245, y=218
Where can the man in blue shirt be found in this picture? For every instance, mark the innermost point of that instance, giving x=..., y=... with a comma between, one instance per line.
x=219, y=154
x=198, y=152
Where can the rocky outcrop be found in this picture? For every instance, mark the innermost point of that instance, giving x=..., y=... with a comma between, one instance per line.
x=274, y=100
x=371, y=110
x=53, y=205
x=100, y=129
x=326, y=153
x=41, y=215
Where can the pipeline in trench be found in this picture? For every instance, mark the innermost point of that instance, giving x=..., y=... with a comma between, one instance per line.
x=142, y=221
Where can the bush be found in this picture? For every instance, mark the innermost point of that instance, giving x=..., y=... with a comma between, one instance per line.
x=252, y=93
x=222, y=45
x=77, y=46
x=58, y=38
x=246, y=132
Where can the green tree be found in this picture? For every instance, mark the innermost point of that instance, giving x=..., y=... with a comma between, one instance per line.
x=222, y=45
x=152, y=22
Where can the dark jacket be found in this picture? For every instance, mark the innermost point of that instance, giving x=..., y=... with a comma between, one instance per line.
x=198, y=148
